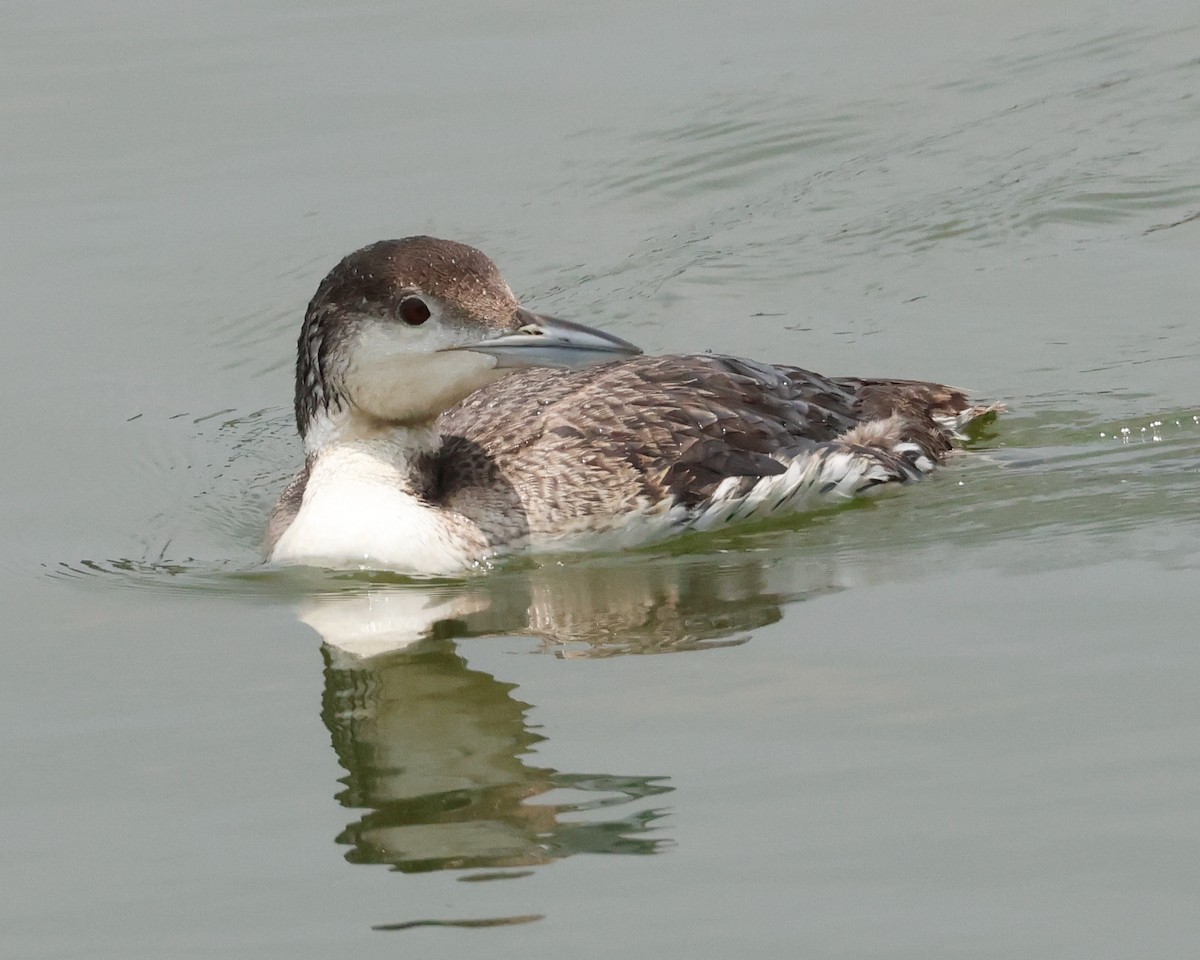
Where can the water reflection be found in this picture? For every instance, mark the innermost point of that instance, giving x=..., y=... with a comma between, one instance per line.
x=600, y=606
x=437, y=753
x=440, y=756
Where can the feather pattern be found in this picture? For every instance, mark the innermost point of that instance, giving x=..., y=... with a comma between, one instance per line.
x=650, y=446
x=400, y=472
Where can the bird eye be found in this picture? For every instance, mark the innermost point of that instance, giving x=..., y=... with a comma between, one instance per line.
x=413, y=311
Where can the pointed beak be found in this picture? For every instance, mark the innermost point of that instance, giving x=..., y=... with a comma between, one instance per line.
x=549, y=342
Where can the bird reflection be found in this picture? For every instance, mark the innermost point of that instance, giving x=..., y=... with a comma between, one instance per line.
x=600, y=607
x=436, y=752
x=439, y=755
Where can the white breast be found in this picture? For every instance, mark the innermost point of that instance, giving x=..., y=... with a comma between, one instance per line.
x=357, y=512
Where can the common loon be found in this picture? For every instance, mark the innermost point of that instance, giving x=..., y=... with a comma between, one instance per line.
x=444, y=424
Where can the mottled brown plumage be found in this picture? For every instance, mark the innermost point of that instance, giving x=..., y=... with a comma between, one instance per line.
x=621, y=453
x=543, y=448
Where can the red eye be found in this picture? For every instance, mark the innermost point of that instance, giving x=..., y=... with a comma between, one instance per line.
x=413, y=311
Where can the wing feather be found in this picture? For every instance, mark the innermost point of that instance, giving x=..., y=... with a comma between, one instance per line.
x=722, y=436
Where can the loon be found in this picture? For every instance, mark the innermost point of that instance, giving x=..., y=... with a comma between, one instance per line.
x=444, y=425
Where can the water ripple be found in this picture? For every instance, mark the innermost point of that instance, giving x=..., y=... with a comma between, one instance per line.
x=1075, y=136
x=733, y=146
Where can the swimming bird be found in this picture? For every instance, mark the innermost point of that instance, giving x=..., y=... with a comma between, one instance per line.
x=444, y=424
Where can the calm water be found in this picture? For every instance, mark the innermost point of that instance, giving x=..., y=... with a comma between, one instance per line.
x=960, y=721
